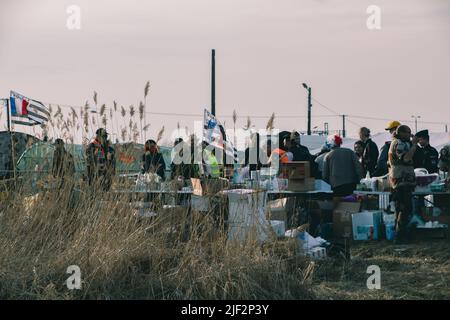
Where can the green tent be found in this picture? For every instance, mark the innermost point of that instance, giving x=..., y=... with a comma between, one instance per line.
x=39, y=158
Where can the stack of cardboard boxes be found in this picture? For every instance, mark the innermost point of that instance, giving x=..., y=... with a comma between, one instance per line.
x=298, y=174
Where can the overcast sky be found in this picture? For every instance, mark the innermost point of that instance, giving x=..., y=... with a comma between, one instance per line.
x=265, y=49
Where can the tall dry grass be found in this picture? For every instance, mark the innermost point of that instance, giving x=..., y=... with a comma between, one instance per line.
x=180, y=254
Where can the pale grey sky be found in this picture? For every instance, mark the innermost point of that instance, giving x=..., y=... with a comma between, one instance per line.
x=264, y=49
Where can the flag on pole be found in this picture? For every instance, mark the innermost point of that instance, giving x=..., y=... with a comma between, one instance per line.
x=26, y=111
x=214, y=134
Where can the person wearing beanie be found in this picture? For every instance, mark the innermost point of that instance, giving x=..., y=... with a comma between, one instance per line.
x=426, y=156
x=320, y=159
x=370, y=154
x=341, y=169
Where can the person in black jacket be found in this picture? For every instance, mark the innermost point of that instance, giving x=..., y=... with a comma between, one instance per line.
x=183, y=167
x=100, y=158
x=426, y=156
x=370, y=154
x=252, y=152
x=300, y=152
x=152, y=159
x=63, y=166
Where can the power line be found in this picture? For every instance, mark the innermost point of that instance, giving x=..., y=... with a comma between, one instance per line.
x=324, y=106
x=386, y=119
x=195, y=114
x=335, y=114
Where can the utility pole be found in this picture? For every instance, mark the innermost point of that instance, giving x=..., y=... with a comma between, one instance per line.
x=8, y=115
x=325, y=128
x=213, y=82
x=415, y=120
x=343, y=125
x=309, y=107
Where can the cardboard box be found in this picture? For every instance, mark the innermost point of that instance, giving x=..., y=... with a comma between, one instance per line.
x=317, y=253
x=308, y=184
x=383, y=185
x=204, y=187
x=366, y=225
x=279, y=227
x=342, y=218
x=295, y=170
x=277, y=210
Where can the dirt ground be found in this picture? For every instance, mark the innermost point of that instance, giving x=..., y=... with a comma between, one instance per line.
x=414, y=271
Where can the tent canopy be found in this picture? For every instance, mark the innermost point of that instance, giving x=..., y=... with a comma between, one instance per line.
x=39, y=157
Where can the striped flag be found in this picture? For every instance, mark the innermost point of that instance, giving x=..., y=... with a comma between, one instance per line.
x=214, y=134
x=26, y=111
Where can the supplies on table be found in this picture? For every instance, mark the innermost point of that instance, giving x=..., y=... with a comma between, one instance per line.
x=368, y=183
x=298, y=185
x=322, y=186
x=424, y=180
x=208, y=187
x=148, y=181
x=342, y=218
x=278, y=184
x=366, y=225
x=246, y=215
x=383, y=183
x=298, y=174
x=437, y=187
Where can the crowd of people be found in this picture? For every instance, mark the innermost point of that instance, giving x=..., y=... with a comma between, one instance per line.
x=341, y=167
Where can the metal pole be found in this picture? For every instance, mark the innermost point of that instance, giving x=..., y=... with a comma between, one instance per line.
x=309, y=111
x=213, y=82
x=8, y=116
x=343, y=126
x=446, y=128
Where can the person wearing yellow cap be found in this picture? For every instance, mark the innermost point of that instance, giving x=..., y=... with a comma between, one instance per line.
x=382, y=163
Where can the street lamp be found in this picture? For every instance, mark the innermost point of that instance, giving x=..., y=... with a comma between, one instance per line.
x=309, y=106
x=415, y=118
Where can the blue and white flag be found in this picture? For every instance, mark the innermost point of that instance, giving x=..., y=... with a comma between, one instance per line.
x=214, y=134
x=26, y=111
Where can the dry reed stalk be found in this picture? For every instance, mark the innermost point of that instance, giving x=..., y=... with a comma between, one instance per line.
x=270, y=123
x=141, y=116
x=146, y=92
x=160, y=135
